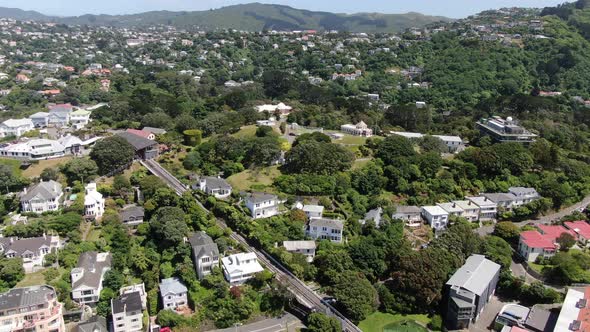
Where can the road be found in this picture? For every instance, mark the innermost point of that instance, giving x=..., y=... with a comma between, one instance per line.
x=287, y=323
x=302, y=292
x=487, y=230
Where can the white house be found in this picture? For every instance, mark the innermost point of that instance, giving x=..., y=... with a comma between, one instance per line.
x=205, y=253
x=487, y=209
x=280, y=107
x=173, y=293
x=326, y=229
x=215, y=186
x=306, y=248
x=93, y=202
x=470, y=210
x=453, y=143
x=88, y=275
x=436, y=217
x=16, y=127
x=80, y=118
x=523, y=195
x=40, y=119
x=41, y=197
x=452, y=209
x=127, y=313
x=360, y=129
x=31, y=250
x=239, y=268
x=35, y=149
x=410, y=214
x=262, y=205
x=313, y=211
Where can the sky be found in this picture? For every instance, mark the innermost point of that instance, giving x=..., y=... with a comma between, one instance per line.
x=449, y=8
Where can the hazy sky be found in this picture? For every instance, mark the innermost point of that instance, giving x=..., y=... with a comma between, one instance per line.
x=449, y=8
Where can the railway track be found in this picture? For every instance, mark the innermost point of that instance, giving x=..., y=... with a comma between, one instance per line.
x=302, y=292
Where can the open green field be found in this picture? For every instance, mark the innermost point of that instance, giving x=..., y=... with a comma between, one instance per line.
x=37, y=278
x=35, y=169
x=377, y=321
x=246, y=131
x=14, y=164
x=254, y=179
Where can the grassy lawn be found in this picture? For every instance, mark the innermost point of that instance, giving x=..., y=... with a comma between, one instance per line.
x=127, y=173
x=93, y=235
x=378, y=320
x=360, y=163
x=246, y=131
x=254, y=178
x=538, y=267
x=37, y=278
x=35, y=169
x=15, y=164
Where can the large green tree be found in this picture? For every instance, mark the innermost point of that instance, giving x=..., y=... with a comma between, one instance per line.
x=111, y=154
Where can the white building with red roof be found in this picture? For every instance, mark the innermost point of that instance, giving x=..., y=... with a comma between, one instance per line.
x=533, y=244
x=581, y=228
x=554, y=231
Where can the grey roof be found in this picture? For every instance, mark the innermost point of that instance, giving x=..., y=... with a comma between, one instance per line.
x=260, y=197
x=127, y=303
x=155, y=131
x=44, y=189
x=132, y=212
x=172, y=286
x=332, y=223
x=138, y=142
x=93, y=269
x=408, y=209
x=500, y=197
x=25, y=297
x=20, y=246
x=94, y=324
x=313, y=208
x=475, y=275
x=298, y=245
x=540, y=319
x=216, y=183
x=522, y=190
x=374, y=214
x=203, y=245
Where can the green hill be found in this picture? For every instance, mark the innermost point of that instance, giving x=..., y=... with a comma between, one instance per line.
x=251, y=17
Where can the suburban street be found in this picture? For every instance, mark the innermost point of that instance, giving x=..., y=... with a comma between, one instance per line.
x=302, y=292
x=287, y=323
x=486, y=230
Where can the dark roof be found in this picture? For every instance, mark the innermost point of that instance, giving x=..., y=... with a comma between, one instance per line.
x=216, y=183
x=155, y=131
x=93, y=269
x=203, y=245
x=94, y=324
x=260, y=197
x=540, y=319
x=127, y=303
x=20, y=246
x=132, y=212
x=26, y=297
x=138, y=142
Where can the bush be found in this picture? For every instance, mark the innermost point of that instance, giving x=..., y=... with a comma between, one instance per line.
x=192, y=137
x=435, y=323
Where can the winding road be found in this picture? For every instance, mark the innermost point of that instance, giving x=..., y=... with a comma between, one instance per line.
x=300, y=290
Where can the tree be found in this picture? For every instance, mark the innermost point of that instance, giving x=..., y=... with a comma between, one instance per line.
x=276, y=83
x=566, y=241
x=80, y=169
x=356, y=296
x=507, y=231
x=8, y=179
x=169, y=226
x=318, y=158
x=263, y=151
x=157, y=120
x=315, y=136
x=432, y=144
x=49, y=174
x=368, y=180
x=318, y=322
x=111, y=154
x=498, y=250
x=394, y=147
x=192, y=137
x=264, y=131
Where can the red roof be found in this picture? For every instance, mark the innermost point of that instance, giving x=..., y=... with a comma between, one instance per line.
x=517, y=329
x=534, y=239
x=580, y=227
x=554, y=231
x=142, y=133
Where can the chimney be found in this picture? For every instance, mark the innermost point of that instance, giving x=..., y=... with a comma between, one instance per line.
x=44, y=236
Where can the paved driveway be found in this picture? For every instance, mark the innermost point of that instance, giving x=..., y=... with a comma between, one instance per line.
x=488, y=316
